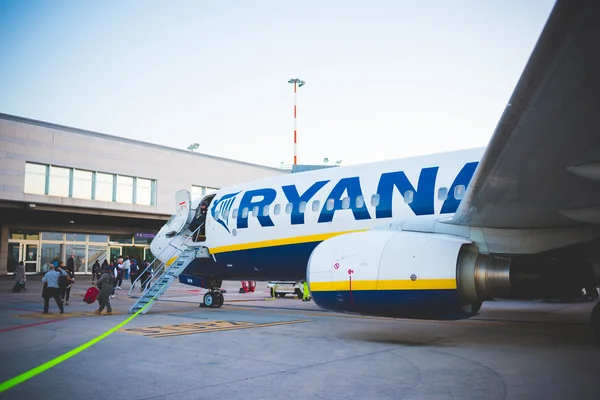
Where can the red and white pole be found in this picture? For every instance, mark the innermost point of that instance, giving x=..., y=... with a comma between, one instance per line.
x=295, y=124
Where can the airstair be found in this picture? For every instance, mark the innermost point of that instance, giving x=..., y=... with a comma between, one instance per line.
x=158, y=283
x=162, y=275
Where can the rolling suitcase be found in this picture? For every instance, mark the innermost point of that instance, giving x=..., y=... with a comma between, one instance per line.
x=19, y=286
x=91, y=295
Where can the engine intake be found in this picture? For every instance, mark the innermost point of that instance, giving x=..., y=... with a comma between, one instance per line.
x=404, y=275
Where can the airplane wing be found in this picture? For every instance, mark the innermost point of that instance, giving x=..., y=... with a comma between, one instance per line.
x=541, y=168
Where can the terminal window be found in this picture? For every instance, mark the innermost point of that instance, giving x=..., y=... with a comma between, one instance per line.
x=35, y=178
x=201, y=191
x=89, y=185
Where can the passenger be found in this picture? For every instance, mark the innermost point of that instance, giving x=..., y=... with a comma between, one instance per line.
x=126, y=267
x=52, y=289
x=96, y=269
x=71, y=274
x=146, y=275
x=64, y=281
x=105, y=285
x=71, y=262
x=119, y=277
x=133, y=273
x=20, y=277
x=104, y=265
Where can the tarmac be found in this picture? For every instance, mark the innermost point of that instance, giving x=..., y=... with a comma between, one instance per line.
x=255, y=347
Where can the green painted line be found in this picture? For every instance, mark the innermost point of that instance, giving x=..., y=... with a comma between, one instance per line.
x=4, y=386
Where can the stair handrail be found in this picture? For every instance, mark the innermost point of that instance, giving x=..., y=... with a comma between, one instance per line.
x=161, y=268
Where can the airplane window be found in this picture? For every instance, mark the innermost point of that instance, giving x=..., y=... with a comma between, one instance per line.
x=443, y=193
x=255, y=211
x=375, y=200
x=345, y=203
x=330, y=204
x=302, y=206
x=315, y=205
x=459, y=192
x=245, y=212
x=225, y=213
x=288, y=208
x=360, y=202
x=408, y=196
x=277, y=209
x=234, y=214
x=265, y=210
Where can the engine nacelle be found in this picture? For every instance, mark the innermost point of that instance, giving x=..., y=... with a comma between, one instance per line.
x=404, y=275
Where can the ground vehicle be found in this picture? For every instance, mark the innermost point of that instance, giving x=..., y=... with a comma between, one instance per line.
x=281, y=288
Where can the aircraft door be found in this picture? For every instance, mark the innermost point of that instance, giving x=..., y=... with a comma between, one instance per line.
x=182, y=213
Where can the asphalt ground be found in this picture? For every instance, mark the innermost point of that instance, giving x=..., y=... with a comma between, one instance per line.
x=257, y=348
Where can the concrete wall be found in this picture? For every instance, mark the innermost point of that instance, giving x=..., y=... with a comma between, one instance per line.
x=24, y=140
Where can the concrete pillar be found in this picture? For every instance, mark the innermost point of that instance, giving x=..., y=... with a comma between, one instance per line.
x=63, y=253
x=3, y=250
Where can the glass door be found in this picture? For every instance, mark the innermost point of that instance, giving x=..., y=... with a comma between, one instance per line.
x=30, y=256
x=115, y=251
x=148, y=256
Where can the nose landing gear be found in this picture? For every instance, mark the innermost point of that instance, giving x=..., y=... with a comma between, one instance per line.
x=213, y=299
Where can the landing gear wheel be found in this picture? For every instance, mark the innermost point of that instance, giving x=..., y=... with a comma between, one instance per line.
x=209, y=299
x=595, y=322
x=299, y=293
x=219, y=299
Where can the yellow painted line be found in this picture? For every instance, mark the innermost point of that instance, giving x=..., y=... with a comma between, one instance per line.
x=402, y=284
x=201, y=327
x=279, y=242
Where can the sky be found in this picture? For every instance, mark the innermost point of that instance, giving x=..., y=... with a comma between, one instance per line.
x=385, y=79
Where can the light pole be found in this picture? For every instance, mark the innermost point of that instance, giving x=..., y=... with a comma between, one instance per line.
x=297, y=83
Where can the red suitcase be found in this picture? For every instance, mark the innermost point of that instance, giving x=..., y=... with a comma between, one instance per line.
x=91, y=294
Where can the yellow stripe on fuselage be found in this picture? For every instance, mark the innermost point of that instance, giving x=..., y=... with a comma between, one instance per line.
x=403, y=284
x=279, y=242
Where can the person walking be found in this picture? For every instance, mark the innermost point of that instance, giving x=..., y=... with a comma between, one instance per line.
x=64, y=281
x=51, y=289
x=70, y=274
x=105, y=285
x=96, y=270
x=20, y=277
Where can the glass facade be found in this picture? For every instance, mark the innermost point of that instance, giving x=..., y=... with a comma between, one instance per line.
x=38, y=249
x=90, y=185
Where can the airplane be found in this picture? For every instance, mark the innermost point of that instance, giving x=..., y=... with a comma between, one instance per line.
x=431, y=236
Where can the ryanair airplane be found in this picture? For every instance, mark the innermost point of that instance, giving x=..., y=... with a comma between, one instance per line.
x=431, y=236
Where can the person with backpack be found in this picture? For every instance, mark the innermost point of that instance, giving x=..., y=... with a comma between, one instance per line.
x=64, y=281
x=105, y=285
x=96, y=270
x=52, y=288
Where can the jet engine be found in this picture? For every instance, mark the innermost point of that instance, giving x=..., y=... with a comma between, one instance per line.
x=405, y=275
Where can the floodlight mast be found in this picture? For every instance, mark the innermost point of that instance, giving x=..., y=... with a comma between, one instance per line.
x=297, y=83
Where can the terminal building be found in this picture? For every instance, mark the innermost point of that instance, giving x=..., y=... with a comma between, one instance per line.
x=70, y=192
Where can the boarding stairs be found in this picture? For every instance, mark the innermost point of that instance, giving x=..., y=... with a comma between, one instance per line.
x=162, y=277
